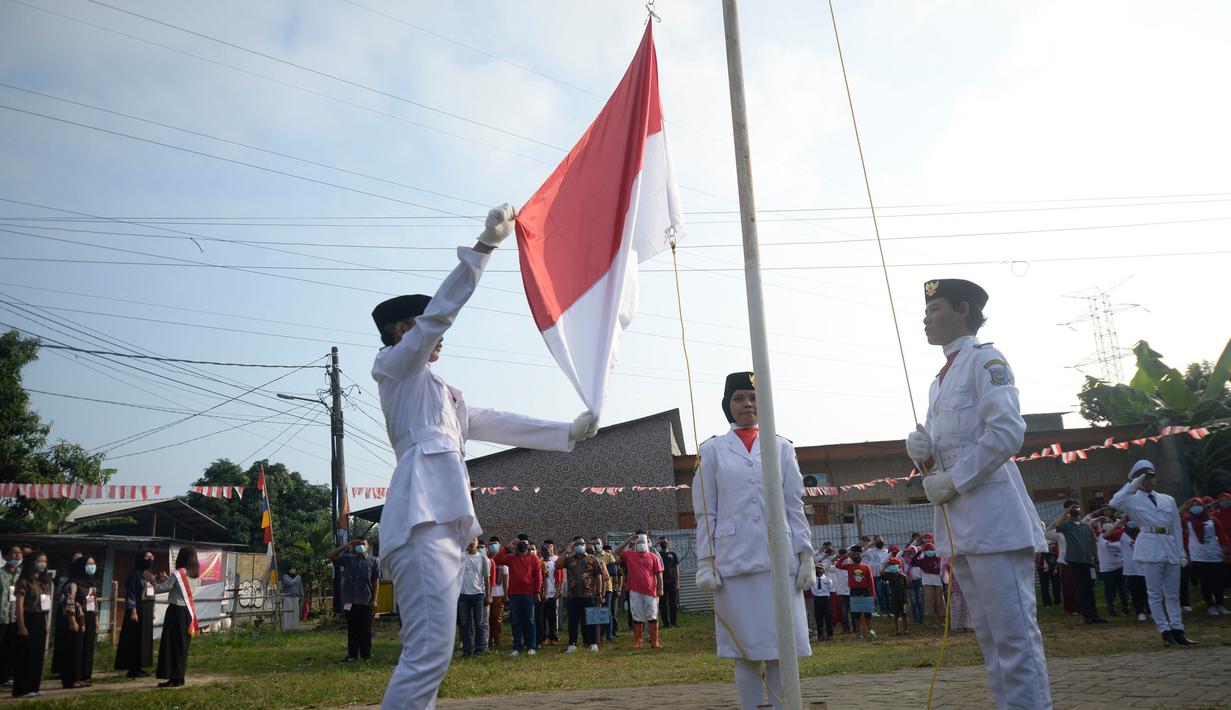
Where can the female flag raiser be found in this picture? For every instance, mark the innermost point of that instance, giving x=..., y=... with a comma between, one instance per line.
x=611, y=204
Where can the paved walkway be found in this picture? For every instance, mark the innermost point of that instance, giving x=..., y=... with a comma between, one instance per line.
x=1179, y=678
x=108, y=681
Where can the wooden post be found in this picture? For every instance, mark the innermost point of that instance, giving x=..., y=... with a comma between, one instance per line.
x=116, y=612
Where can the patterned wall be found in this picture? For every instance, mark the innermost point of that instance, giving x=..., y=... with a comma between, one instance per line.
x=637, y=453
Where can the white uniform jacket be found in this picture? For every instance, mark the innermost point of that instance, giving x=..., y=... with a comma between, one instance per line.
x=429, y=422
x=976, y=426
x=1161, y=538
x=731, y=508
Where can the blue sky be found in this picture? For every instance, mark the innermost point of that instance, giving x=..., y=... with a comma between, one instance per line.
x=1043, y=131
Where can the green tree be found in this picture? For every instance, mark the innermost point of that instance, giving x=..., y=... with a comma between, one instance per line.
x=25, y=454
x=298, y=508
x=1159, y=395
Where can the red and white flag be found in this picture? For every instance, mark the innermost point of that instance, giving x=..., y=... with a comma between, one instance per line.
x=611, y=204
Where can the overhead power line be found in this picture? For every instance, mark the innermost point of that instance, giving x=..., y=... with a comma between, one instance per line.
x=150, y=407
x=169, y=359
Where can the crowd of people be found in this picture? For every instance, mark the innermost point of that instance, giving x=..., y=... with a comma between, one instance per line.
x=586, y=584
x=34, y=605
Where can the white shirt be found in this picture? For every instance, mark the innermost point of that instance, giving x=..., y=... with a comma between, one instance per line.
x=1160, y=539
x=875, y=559
x=1131, y=568
x=428, y=422
x=551, y=576
x=1110, y=557
x=824, y=586
x=474, y=573
x=730, y=506
x=1208, y=551
x=841, y=582
x=976, y=426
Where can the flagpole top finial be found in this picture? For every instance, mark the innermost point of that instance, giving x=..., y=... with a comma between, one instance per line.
x=649, y=8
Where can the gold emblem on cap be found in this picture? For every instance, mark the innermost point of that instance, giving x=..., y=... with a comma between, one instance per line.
x=931, y=287
x=752, y=380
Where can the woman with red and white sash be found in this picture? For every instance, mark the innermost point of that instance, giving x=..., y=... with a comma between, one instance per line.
x=180, y=623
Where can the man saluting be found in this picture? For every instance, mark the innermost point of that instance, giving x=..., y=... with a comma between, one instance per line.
x=974, y=428
x=428, y=516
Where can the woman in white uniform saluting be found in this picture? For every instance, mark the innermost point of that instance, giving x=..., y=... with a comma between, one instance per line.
x=732, y=543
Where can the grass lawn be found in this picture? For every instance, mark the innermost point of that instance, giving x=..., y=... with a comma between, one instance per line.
x=265, y=670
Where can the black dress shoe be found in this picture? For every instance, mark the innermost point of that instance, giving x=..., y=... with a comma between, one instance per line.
x=1182, y=638
x=1168, y=639
x=171, y=684
x=138, y=674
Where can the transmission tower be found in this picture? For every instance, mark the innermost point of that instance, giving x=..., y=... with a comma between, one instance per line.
x=1100, y=313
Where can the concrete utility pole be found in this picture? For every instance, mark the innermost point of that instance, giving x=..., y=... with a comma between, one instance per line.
x=771, y=475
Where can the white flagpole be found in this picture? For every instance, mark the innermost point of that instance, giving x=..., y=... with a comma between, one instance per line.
x=771, y=474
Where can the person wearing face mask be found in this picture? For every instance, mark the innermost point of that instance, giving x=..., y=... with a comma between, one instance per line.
x=292, y=593
x=1159, y=549
x=984, y=518
x=79, y=627
x=732, y=532
x=32, y=597
x=875, y=557
x=428, y=514
x=863, y=590
x=645, y=586
x=524, y=584
x=1222, y=513
x=1205, y=539
x=360, y=586
x=584, y=578
x=897, y=583
x=475, y=582
x=10, y=572
x=1124, y=533
x=135, y=651
x=928, y=561
x=499, y=598
x=671, y=584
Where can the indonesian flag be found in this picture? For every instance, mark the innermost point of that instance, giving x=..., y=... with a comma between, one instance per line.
x=611, y=204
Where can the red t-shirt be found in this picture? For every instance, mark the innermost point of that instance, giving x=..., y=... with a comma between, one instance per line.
x=643, y=568
x=858, y=575
x=525, y=572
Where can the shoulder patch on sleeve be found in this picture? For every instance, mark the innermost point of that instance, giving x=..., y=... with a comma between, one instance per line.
x=999, y=372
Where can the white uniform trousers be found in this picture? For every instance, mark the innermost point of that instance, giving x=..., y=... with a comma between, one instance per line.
x=426, y=581
x=999, y=588
x=1163, y=591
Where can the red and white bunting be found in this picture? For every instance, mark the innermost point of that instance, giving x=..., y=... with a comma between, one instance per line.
x=77, y=491
x=369, y=492
x=219, y=491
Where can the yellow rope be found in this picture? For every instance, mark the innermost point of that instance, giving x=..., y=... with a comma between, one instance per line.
x=692, y=404
x=897, y=331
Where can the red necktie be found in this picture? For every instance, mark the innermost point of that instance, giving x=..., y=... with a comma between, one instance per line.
x=948, y=363
x=747, y=436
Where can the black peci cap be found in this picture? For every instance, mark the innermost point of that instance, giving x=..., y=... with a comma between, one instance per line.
x=398, y=308
x=955, y=291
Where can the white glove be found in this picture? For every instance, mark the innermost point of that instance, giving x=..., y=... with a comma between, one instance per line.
x=708, y=579
x=585, y=426
x=939, y=488
x=919, y=446
x=806, y=577
x=1183, y=561
x=499, y=225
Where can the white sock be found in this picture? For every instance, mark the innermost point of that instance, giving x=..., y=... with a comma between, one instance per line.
x=774, y=678
x=748, y=684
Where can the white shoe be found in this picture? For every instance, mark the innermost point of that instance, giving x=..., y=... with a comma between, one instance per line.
x=1223, y=611
x=571, y=649
x=1141, y=617
x=1212, y=611
x=1186, y=608
x=593, y=647
x=530, y=652
x=515, y=654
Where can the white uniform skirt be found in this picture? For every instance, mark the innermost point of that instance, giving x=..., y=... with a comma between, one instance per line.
x=746, y=604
